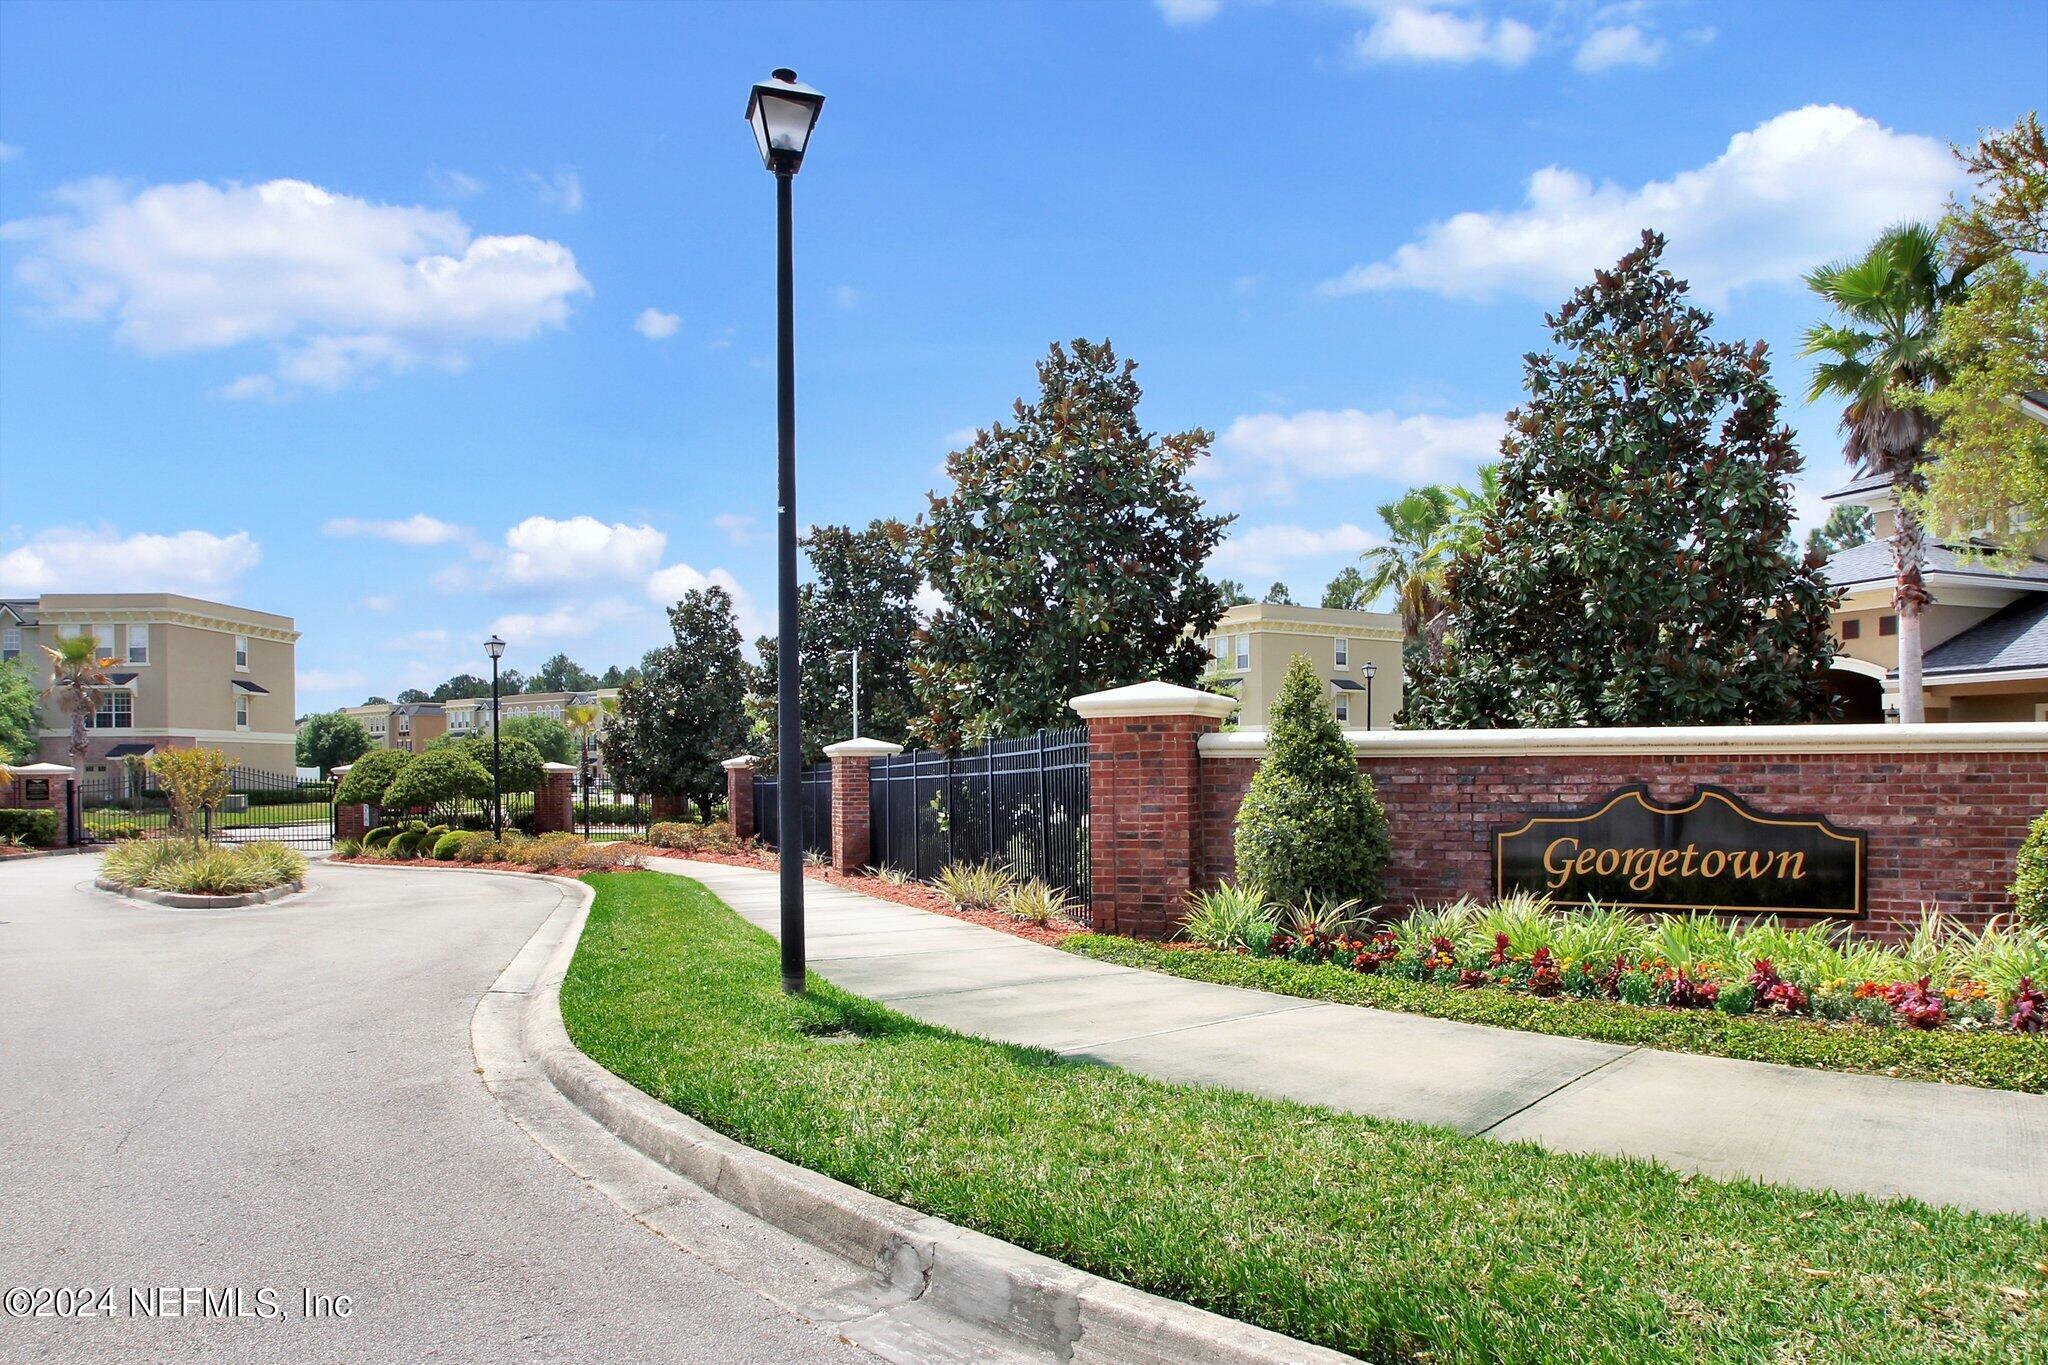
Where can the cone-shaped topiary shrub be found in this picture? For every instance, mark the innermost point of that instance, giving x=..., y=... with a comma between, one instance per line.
x=1311, y=824
x=2030, y=876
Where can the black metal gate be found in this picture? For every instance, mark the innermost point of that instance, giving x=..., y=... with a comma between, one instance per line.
x=129, y=804
x=1022, y=803
x=816, y=785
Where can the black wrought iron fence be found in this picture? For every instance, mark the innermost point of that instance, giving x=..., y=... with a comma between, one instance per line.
x=126, y=804
x=816, y=783
x=1022, y=803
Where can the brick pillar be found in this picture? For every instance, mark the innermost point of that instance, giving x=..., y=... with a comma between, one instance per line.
x=45, y=786
x=554, y=805
x=350, y=822
x=1144, y=802
x=670, y=808
x=850, y=849
x=739, y=795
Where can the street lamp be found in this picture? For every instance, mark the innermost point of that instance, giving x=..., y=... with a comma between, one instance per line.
x=782, y=113
x=1368, y=670
x=496, y=649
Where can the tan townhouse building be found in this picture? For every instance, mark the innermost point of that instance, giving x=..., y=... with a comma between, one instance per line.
x=415, y=725
x=408, y=725
x=1984, y=642
x=1357, y=654
x=186, y=672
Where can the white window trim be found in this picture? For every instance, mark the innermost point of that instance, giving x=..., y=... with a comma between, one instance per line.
x=1241, y=650
x=1343, y=708
x=241, y=654
x=129, y=652
x=241, y=708
x=1343, y=653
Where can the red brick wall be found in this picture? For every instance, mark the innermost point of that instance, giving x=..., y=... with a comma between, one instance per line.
x=1943, y=826
x=739, y=802
x=554, y=805
x=351, y=822
x=1144, y=848
x=850, y=813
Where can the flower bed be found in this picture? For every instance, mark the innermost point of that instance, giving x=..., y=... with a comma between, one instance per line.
x=438, y=846
x=197, y=868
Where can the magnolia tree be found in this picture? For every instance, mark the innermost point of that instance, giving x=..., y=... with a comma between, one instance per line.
x=1636, y=566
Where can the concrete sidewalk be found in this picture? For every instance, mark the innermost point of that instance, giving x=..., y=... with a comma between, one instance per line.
x=1947, y=1144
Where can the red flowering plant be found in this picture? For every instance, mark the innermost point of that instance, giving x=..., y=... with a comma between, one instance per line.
x=1367, y=957
x=1773, y=992
x=1684, y=992
x=1544, y=976
x=2029, y=1008
x=1916, y=1005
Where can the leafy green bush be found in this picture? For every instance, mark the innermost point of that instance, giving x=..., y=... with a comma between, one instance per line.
x=378, y=837
x=1311, y=824
x=196, y=867
x=448, y=847
x=689, y=838
x=348, y=848
x=406, y=843
x=371, y=776
x=2030, y=876
x=36, y=828
x=1229, y=918
x=437, y=780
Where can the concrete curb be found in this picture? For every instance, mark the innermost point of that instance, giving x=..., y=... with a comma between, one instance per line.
x=1042, y=1305
x=181, y=900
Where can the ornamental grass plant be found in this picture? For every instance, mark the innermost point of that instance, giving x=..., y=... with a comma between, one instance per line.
x=196, y=867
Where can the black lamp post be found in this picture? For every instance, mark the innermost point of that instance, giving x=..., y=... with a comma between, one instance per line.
x=1368, y=669
x=496, y=649
x=782, y=113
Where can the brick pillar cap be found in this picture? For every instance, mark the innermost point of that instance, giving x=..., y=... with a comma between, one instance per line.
x=39, y=769
x=743, y=761
x=338, y=771
x=1153, y=699
x=862, y=747
x=558, y=767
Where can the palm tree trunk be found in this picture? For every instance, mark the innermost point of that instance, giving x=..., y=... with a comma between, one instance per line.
x=1909, y=553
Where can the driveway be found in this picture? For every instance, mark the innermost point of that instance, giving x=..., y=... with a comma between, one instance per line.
x=284, y=1099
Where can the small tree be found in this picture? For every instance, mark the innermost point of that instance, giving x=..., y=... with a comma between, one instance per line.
x=368, y=778
x=330, y=739
x=1279, y=596
x=1845, y=529
x=685, y=715
x=2030, y=876
x=550, y=736
x=193, y=780
x=78, y=672
x=1347, y=591
x=561, y=674
x=17, y=714
x=1311, y=824
x=438, y=781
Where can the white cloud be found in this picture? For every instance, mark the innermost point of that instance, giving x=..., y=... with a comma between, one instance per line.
x=100, y=559
x=666, y=587
x=1798, y=189
x=342, y=288
x=738, y=529
x=1347, y=443
x=1184, y=12
x=562, y=190
x=846, y=296
x=1414, y=33
x=1617, y=45
x=1266, y=551
x=330, y=680
x=578, y=549
x=417, y=529
x=536, y=631
x=656, y=325
x=456, y=184
x=8, y=151
x=380, y=602
x=418, y=639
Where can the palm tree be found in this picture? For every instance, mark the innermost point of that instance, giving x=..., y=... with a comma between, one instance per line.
x=1881, y=346
x=1407, y=565
x=77, y=674
x=584, y=720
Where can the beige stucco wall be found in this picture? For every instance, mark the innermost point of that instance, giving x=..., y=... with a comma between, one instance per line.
x=1278, y=634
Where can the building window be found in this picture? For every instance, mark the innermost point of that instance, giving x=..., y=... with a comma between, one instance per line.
x=116, y=710
x=138, y=644
x=10, y=643
x=104, y=637
x=1852, y=630
x=1343, y=654
x=1244, y=651
x=1221, y=644
x=1887, y=625
x=1343, y=708
x=241, y=709
x=242, y=653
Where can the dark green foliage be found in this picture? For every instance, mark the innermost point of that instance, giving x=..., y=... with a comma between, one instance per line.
x=1068, y=554
x=1311, y=824
x=519, y=762
x=329, y=740
x=406, y=843
x=1233, y=592
x=1279, y=596
x=36, y=828
x=411, y=695
x=1845, y=528
x=862, y=595
x=560, y=674
x=379, y=836
x=20, y=711
x=449, y=844
x=369, y=777
x=2030, y=878
x=1635, y=569
x=546, y=734
x=461, y=687
x=440, y=778
x=686, y=713
x=1347, y=591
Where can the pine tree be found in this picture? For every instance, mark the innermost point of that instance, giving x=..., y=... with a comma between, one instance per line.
x=1068, y=555
x=1311, y=825
x=1636, y=568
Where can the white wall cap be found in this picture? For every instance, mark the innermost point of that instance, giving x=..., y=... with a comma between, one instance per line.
x=862, y=747
x=1153, y=699
x=39, y=769
x=743, y=761
x=558, y=767
x=1935, y=737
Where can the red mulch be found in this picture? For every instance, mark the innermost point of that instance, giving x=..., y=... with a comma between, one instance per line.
x=915, y=894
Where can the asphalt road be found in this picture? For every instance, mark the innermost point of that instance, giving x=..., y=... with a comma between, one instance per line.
x=283, y=1099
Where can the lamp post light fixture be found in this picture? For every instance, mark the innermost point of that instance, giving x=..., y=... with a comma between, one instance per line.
x=496, y=649
x=1891, y=715
x=1369, y=668
x=782, y=113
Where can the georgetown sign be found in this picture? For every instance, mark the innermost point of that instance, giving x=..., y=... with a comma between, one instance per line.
x=1712, y=852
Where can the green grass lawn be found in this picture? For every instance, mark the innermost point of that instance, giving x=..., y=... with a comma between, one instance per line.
x=298, y=813
x=1393, y=1241
x=2001, y=1060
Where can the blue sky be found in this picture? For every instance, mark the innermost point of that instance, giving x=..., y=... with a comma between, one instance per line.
x=413, y=321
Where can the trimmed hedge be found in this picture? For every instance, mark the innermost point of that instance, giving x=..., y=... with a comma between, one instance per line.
x=2030, y=875
x=36, y=828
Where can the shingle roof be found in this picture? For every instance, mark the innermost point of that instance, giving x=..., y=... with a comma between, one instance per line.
x=1868, y=483
x=2014, y=638
x=1871, y=562
x=24, y=608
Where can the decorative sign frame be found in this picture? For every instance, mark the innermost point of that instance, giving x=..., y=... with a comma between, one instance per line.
x=1715, y=853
